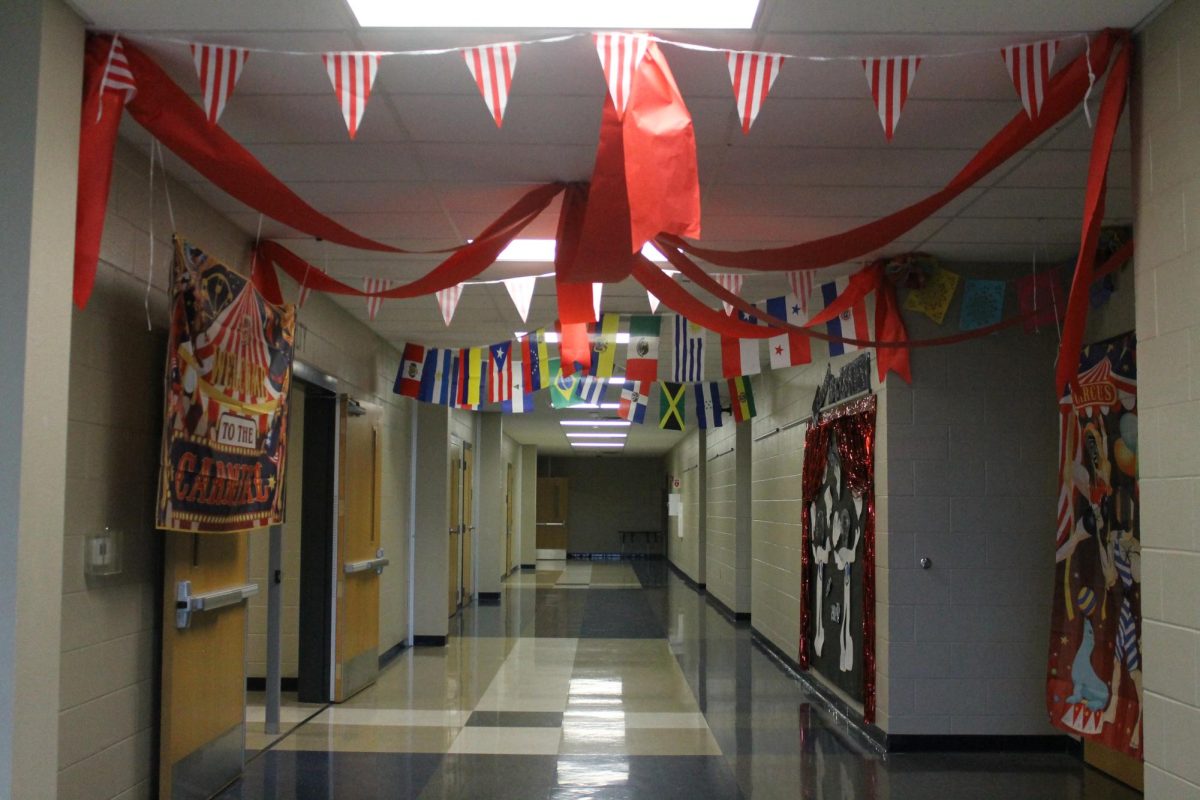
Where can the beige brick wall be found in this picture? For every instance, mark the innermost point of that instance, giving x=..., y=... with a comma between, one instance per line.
x=684, y=533
x=721, y=563
x=1166, y=123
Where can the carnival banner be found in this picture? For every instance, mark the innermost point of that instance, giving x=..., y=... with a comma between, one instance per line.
x=1094, y=677
x=228, y=372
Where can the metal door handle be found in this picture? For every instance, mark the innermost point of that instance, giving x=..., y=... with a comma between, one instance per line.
x=376, y=564
x=187, y=603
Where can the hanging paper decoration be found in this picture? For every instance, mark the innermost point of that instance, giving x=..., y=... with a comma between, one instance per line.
x=1029, y=68
x=670, y=405
x=448, y=301
x=935, y=296
x=730, y=282
x=219, y=69
x=653, y=302
x=634, y=399
x=982, y=304
x=521, y=292
x=492, y=68
x=373, y=286
x=1040, y=296
x=753, y=75
x=412, y=367
x=620, y=54
x=890, y=80
x=741, y=399
x=352, y=76
x=708, y=405
x=801, y=282
x=117, y=75
x=500, y=369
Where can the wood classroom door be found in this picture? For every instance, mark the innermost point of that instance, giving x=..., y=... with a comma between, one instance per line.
x=468, y=495
x=552, y=516
x=360, y=559
x=508, y=518
x=455, y=516
x=202, y=728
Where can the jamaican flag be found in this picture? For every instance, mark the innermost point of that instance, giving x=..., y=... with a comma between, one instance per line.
x=670, y=405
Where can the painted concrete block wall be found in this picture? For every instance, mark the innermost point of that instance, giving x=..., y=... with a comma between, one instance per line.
x=528, y=504
x=510, y=453
x=431, y=549
x=1165, y=109
x=721, y=562
x=685, y=532
x=110, y=638
x=490, y=523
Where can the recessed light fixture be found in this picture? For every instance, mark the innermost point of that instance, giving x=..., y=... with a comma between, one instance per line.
x=584, y=435
x=552, y=337
x=596, y=423
x=598, y=444
x=542, y=251
x=619, y=14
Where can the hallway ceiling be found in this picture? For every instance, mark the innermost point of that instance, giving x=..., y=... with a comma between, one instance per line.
x=429, y=168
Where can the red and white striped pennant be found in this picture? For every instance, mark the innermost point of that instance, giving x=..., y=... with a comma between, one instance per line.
x=352, y=76
x=753, y=75
x=448, y=301
x=620, y=54
x=1029, y=68
x=372, y=286
x=492, y=68
x=219, y=69
x=890, y=80
x=117, y=75
x=801, y=283
x=730, y=282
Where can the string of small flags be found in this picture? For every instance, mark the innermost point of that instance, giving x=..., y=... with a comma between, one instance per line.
x=752, y=74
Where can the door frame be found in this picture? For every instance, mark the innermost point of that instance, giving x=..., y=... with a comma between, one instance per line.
x=467, y=544
x=455, y=486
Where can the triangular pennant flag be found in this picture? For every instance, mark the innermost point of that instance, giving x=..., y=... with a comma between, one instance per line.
x=117, y=75
x=620, y=54
x=219, y=69
x=305, y=290
x=801, y=283
x=492, y=68
x=597, y=290
x=373, y=286
x=448, y=301
x=1029, y=68
x=521, y=292
x=653, y=302
x=890, y=80
x=352, y=76
x=753, y=75
x=730, y=282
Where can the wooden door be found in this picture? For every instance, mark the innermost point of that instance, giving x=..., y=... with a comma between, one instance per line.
x=455, y=517
x=508, y=519
x=552, y=514
x=202, y=737
x=468, y=494
x=357, y=628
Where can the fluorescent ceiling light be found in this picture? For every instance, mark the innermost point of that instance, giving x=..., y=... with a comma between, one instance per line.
x=542, y=250
x=597, y=423
x=598, y=444
x=584, y=435
x=610, y=406
x=621, y=14
x=552, y=337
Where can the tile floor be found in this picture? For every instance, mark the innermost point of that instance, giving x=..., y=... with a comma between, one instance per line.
x=612, y=680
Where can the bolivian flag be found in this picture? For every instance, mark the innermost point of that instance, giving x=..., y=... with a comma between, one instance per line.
x=741, y=397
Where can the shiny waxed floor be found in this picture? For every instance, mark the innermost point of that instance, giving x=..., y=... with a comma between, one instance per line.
x=614, y=679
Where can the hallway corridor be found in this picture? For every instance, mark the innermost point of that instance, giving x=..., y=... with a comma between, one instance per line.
x=616, y=680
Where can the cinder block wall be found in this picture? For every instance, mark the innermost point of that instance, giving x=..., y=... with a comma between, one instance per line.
x=720, y=563
x=684, y=532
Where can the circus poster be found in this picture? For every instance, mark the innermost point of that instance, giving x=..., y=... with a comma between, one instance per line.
x=1094, y=680
x=228, y=371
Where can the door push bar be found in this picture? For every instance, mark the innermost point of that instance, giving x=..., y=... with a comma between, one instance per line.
x=187, y=603
x=377, y=564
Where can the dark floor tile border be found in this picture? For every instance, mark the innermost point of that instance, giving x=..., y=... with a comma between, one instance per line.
x=429, y=641
x=736, y=617
x=687, y=579
x=604, y=556
x=529, y=567
x=488, y=598
x=390, y=655
x=986, y=743
x=254, y=684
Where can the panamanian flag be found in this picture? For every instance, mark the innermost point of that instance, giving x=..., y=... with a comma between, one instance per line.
x=852, y=323
x=788, y=349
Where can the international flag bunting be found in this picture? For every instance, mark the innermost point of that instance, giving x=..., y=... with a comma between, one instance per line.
x=521, y=292
x=374, y=286
x=520, y=399
x=605, y=347
x=535, y=359
x=852, y=323
x=634, y=399
x=788, y=349
x=753, y=75
x=447, y=300
x=219, y=69
x=462, y=368
x=890, y=80
x=476, y=376
x=562, y=387
x=492, y=68
x=730, y=282
x=1029, y=68
x=801, y=282
x=641, y=354
x=740, y=357
x=500, y=372
x=412, y=365
x=620, y=54
x=439, y=377
x=117, y=75
x=687, y=364
x=670, y=405
x=741, y=399
x=708, y=404
x=352, y=76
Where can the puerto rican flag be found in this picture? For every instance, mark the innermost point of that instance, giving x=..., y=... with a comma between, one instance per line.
x=500, y=372
x=853, y=323
x=412, y=366
x=788, y=349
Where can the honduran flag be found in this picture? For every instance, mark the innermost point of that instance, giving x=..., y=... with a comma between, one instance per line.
x=788, y=349
x=535, y=359
x=439, y=377
x=412, y=365
x=520, y=400
x=500, y=372
x=708, y=404
x=634, y=399
x=852, y=323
